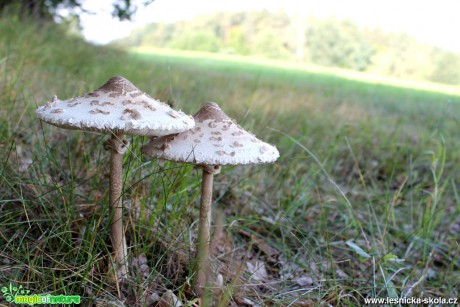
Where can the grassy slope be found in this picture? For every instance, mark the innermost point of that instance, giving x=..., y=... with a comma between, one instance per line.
x=373, y=165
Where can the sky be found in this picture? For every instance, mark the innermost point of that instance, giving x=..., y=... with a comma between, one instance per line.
x=430, y=21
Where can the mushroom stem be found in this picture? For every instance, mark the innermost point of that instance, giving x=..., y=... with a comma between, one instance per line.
x=204, y=232
x=116, y=206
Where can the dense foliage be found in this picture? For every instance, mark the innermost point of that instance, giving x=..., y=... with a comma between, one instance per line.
x=47, y=9
x=329, y=42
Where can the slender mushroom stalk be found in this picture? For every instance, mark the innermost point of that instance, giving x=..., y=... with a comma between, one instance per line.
x=117, y=146
x=215, y=140
x=204, y=232
x=116, y=108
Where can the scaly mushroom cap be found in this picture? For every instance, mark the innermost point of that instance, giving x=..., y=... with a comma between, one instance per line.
x=215, y=140
x=117, y=106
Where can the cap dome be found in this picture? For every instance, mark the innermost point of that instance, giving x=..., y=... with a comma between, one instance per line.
x=116, y=106
x=215, y=140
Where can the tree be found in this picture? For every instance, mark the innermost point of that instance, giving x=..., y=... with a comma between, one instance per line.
x=446, y=68
x=269, y=45
x=200, y=40
x=339, y=43
x=237, y=41
x=47, y=9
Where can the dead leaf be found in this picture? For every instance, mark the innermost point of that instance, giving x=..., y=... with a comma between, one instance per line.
x=169, y=299
x=304, y=281
x=140, y=265
x=257, y=270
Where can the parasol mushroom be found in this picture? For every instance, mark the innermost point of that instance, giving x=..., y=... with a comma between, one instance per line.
x=214, y=141
x=116, y=108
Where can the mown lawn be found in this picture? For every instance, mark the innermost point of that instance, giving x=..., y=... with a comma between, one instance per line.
x=362, y=203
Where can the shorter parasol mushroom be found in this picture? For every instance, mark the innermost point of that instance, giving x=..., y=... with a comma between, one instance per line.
x=116, y=108
x=214, y=141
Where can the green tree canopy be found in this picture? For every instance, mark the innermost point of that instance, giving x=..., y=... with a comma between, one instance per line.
x=200, y=40
x=47, y=9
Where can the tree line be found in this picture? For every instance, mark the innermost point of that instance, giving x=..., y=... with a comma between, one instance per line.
x=327, y=42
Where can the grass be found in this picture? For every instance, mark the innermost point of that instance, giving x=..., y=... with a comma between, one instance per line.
x=363, y=203
x=287, y=69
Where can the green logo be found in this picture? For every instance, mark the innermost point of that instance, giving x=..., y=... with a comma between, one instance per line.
x=20, y=296
x=11, y=292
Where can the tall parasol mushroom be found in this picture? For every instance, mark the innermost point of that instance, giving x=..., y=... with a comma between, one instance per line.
x=214, y=141
x=116, y=108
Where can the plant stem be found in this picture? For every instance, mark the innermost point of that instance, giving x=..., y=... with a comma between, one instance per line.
x=116, y=206
x=204, y=233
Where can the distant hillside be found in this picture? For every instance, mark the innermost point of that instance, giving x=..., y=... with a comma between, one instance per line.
x=327, y=42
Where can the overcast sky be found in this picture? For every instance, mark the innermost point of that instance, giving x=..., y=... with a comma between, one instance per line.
x=435, y=22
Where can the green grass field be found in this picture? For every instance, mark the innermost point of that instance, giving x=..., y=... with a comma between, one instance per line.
x=363, y=203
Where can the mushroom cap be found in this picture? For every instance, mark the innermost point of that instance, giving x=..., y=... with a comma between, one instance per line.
x=117, y=106
x=215, y=140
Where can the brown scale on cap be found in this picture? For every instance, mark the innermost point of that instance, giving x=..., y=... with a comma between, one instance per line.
x=263, y=149
x=98, y=103
x=90, y=95
x=99, y=111
x=223, y=153
x=162, y=141
x=237, y=133
x=133, y=114
x=173, y=114
x=143, y=103
x=51, y=103
x=216, y=132
x=118, y=86
x=214, y=138
x=58, y=111
x=135, y=94
x=236, y=144
x=211, y=111
x=195, y=130
x=148, y=106
x=73, y=103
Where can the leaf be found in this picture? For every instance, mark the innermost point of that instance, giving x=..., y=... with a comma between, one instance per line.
x=391, y=258
x=358, y=249
x=391, y=290
x=258, y=270
x=169, y=299
x=304, y=281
